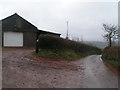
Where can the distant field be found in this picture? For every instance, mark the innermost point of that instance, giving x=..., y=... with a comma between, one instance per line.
x=111, y=55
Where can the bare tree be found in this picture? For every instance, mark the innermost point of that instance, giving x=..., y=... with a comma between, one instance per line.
x=111, y=33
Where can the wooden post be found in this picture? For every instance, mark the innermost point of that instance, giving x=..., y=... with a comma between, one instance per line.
x=37, y=43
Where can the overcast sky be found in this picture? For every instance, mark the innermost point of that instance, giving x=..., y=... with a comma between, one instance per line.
x=85, y=18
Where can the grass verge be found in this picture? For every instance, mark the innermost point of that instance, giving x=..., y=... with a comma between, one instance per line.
x=59, y=54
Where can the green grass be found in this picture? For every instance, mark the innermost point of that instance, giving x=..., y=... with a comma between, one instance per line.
x=113, y=63
x=59, y=54
x=111, y=56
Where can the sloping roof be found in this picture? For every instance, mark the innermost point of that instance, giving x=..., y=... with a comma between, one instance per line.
x=17, y=23
x=47, y=32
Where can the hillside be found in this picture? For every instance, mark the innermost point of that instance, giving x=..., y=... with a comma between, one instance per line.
x=100, y=44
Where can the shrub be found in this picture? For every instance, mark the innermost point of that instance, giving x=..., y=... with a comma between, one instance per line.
x=111, y=53
x=112, y=56
x=59, y=48
x=57, y=43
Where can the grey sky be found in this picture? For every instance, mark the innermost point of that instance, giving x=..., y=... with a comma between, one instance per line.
x=85, y=18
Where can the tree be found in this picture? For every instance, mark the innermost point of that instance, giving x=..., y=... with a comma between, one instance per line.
x=111, y=33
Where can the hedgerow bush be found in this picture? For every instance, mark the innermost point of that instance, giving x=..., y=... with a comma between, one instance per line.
x=57, y=43
x=112, y=56
x=111, y=53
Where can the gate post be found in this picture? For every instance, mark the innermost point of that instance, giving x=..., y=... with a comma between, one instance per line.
x=37, y=42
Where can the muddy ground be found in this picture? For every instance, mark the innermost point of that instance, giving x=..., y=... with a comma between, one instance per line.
x=23, y=70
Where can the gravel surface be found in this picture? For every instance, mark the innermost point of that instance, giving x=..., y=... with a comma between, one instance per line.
x=23, y=70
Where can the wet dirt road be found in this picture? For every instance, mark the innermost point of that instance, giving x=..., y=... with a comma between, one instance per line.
x=22, y=70
x=96, y=74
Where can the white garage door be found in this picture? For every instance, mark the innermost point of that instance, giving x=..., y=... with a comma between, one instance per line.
x=13, y=39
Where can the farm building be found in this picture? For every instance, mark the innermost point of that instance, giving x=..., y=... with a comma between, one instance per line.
x=18, y=32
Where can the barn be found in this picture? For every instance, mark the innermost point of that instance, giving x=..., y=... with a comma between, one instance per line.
x=18, y=32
